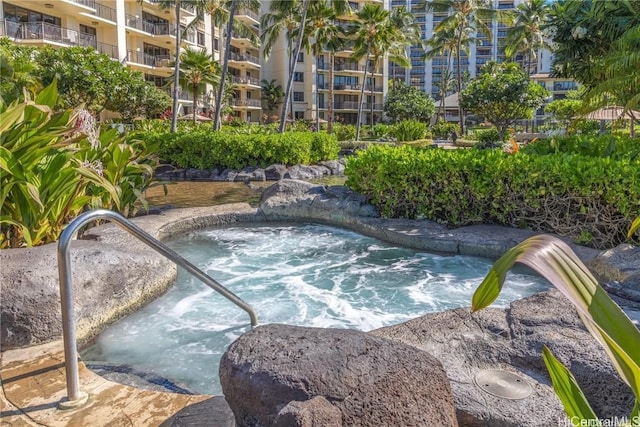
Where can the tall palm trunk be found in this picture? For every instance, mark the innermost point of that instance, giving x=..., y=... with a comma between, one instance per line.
x=330, y=100
x=371, y=92
x=176, y=73
x=445, y=87
x=195, y=104
x=288, y=91
x=317, y=92
x=460, y=110
x=225, y=64
x=362, y=95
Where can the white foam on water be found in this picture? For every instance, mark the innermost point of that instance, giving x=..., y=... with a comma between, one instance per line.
x=307, y=275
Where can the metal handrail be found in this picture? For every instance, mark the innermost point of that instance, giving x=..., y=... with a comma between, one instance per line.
x=74, y=395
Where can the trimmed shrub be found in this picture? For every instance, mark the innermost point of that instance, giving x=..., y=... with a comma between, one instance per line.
x=442, y=129
x=204, y=149
x=592, y=199
x=344, y=132
x=488, y=136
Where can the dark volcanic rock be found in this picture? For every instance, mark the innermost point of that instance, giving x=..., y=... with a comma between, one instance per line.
x=371, y=380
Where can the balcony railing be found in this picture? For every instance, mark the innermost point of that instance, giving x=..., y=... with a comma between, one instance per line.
x=348, y=66
x=108, y=49
x=184, y=6
x=163, y=29
x=48, y=32
x=244, y=57
x=247, y=12
x=105, y=12
x=88, y=3
x=353, y=105
x=245, y=80
x=246, y=103
x=149, y=60
x=139, y=24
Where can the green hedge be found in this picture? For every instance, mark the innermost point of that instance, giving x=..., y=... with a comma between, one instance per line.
x=204, y=149
x=616, y=146
x=592, y=200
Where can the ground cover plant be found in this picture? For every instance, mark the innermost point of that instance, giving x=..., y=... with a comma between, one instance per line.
x=590, y=199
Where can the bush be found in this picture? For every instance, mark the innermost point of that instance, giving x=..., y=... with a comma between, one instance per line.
x=563, y=194
x=408, y=130
x=442, y=129
x=208, y=150
x=344, y=132
x=488, y=136
x=613, y=146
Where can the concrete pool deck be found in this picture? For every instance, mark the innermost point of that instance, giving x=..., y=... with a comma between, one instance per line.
x=33, y=384
x=33, y=379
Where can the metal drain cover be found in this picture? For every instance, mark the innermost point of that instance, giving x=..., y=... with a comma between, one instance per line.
x=503, y=384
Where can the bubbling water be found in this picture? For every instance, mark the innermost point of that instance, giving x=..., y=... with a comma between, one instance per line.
x=303, y=274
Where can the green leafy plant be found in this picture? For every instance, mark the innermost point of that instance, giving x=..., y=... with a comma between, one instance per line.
x=408, y=130
x=443, y=130
x=42, y=183
x=488, y=137
x=603, y=318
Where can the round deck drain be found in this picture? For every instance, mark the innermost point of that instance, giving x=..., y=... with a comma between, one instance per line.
x=503, y=384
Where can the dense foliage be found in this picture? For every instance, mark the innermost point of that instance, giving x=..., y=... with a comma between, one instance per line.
x=405, y=102
x=53, y=165
x=592, y=200
x=408, y=130
x=502, y=94
x=84, y=76
x=613, y=146
x=204, y=149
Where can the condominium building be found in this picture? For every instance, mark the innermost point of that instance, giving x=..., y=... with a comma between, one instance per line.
x=140, y=35
x=311, y=80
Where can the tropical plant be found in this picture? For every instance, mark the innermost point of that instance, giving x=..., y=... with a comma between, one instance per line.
x=272, y=93
x=502, y=94
x=324, y=35
x=197, y=69
x=408, y=130
x=527, y=35
x=42, y=182
x=404, y=102
x=465, y=19
x=603, y=318
x=376, y=33
x=18, y=70
x=444, y=44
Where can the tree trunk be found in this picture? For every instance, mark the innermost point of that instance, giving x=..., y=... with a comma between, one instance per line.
x=195, y=103
x=225, y=64
x=460, y=110
x=176, y=73
x=288, y=91
x=372, y=98
x=330, y=100
x=362, y=96
x=317, y=93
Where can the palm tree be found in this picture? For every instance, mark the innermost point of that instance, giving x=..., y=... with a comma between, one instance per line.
x=290, y=15
x=375, y=33
x=166, y=5
x=446, y=83
x=526, y=34
x=466, y=18
x=197, y=69
x=324, y=35
x=272, y=93
x=443, y=44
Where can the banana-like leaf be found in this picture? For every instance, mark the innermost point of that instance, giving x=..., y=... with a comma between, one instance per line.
x=604, y=319
x=567, y=388
x=635, y=225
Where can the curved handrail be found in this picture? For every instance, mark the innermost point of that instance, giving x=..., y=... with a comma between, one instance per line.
x=66, y=289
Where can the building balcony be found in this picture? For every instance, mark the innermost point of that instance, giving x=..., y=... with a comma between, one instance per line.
x=47, y=33
x=105, y=12
x=246, y=81
x=137, y=23
x=348, y=66
x=141, y=58
x=187, y=7
x=353, y=105
x=246, y=103
x=248, y=16
x=244, y=57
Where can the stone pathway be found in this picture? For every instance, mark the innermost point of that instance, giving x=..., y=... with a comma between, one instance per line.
x=33, y=384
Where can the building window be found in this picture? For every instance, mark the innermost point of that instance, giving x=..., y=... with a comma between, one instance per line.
x=301, y=57
x=216, y=43
x=298, y=96
x=18, y=14
x=298, y=115
x=201, y=38
x=298, y=76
